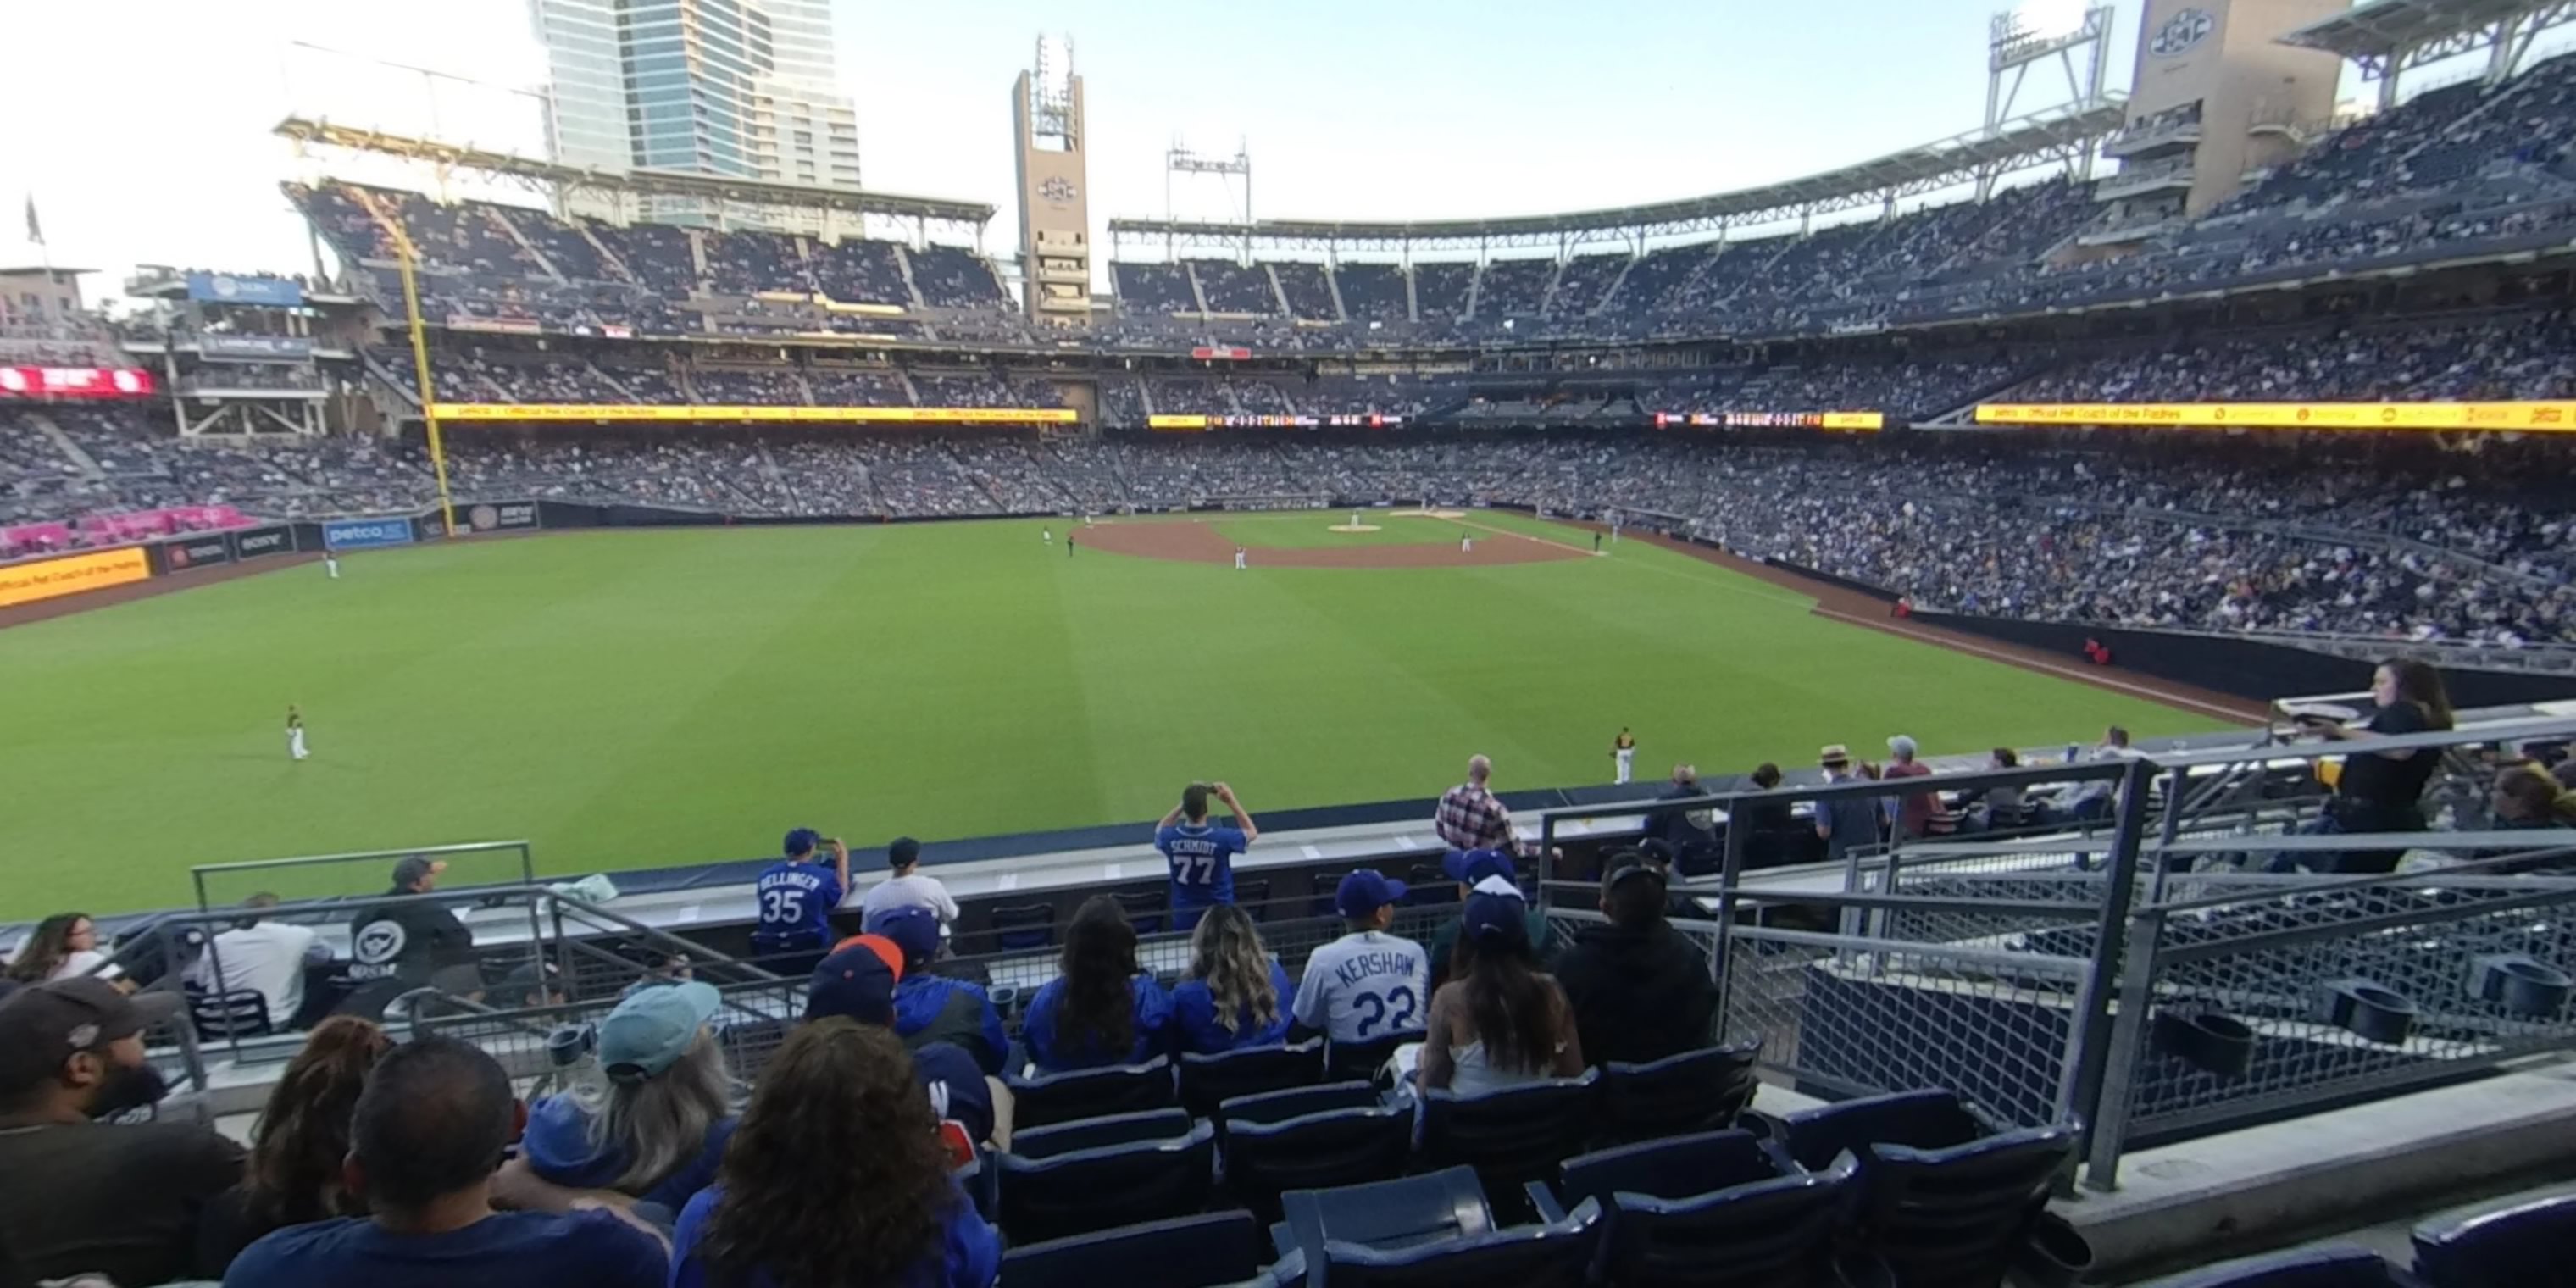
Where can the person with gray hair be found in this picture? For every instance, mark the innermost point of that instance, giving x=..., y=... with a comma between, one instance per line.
x=649, y=1119
x=1911, y=812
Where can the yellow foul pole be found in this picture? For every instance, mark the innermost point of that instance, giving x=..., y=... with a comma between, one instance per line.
x=420, y=372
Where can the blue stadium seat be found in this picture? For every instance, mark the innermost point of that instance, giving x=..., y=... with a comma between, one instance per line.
x=1098, y=1133
x=2309, y=1268
x=1098, y=1189
x=1024, y=927
x=1929, y=1119
x=1963, y=1214
x=1049, y=1098
x=1185, y=1252
x=1432, y=1208
x=1695, y=1091
x=233, y=1013
x=1311, y=1138
x=2526, y=1245
x=1512, y=1136
x=1208, y=1080
x=1559, y=1254
x=1144, y=909
x=1344, y=1061
x=1709, y=1211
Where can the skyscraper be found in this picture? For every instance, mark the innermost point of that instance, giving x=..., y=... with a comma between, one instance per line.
x=728, y=87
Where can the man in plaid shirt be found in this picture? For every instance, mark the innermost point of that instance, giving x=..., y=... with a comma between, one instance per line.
x=1470, y=818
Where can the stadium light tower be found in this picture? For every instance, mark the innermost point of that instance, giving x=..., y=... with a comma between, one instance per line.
x=1180, y=160
x=2038, y=31
x=1051, y=145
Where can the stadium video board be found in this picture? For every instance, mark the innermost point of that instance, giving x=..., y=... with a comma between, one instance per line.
x=1358, y=421
x=1860, y=421
x=2489, y=417
x=534, y=413
x=75, y=382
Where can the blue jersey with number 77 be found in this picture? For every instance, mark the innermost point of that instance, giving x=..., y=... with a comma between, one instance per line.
x=795, y=903
x=1202, y=860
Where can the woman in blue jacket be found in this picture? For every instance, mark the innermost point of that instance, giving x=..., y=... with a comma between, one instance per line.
x=1236, y=995
x=1101, y=1010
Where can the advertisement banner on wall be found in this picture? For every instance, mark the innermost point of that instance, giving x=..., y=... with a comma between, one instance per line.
x=613, y=412
x=2493, y=417
x=501, y=516
x=365, y=534
x=257, y=542
x=224, y=288
x=195, y=552
x=254, y=348
x=27, y=583
x=429, y=527
x=75, y=382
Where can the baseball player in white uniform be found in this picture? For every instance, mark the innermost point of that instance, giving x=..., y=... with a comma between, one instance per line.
x=295, y=734
x=1239, y=556
x=1623, y=750
x=1046, y=536
x=331, y=563
x=1466, y=543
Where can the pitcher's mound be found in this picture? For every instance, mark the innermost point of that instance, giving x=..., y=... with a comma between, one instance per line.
x=1354, y=527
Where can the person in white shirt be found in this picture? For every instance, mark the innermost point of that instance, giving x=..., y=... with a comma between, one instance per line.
x=907, y=888
x=63, y=946
x=1368, y=983
x=264, y=957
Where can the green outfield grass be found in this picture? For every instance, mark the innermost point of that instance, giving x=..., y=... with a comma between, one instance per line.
x=629, y=699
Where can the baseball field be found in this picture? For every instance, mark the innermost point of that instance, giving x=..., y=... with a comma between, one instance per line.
x=630, y=699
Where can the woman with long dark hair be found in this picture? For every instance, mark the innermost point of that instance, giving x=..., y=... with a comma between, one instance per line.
x=298, y=1146
x=2380, y=791
x=1500, y=1021
x=1236, y=995
x=1101, y=1010
x=62, y=946
x=835, y=1179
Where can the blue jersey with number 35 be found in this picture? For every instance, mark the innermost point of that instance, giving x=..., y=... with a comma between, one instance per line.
x=1202, y=860
x=796, y=902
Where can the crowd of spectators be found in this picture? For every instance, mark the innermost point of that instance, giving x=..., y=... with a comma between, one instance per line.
x=1230, y=287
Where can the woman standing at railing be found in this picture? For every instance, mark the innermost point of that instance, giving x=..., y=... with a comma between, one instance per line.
x=2379, y=791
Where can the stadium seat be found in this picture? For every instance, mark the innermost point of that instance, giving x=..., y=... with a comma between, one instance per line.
x=1344, y=1061
x=1427, y=884
x=1207, y=1080
x=1144, y=909
x=1022, y=927
x=1184, y=1252
x=1708, y=1211
x=1928, y=1119
x=1556, y=1255
x=1098, y=1189
x=1960, y=1214
x=1432, y=1208
x=1695, y=1091
x=233, y=1013
x=1049, y=1098
x=1100, y=1133
x=2525, y=1245
x=1253, y=896
x=2340, y=1267
x=1512, y=1136
x=1311, y=1138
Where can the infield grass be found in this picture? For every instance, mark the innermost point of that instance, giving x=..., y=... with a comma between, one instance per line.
x=641, y=698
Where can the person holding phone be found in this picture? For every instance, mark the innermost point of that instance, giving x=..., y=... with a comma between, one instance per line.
x=1202, y=857
x=2378, y=791
x=794, y=897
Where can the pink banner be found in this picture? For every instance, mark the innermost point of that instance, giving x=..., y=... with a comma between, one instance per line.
x=114, y=529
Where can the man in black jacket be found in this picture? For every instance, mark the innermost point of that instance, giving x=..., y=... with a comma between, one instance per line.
x=1640, y=990
x=1694, y=843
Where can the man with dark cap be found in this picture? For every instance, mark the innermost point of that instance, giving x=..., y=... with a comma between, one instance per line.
x=1640, y=990
x=932, y=1008
x=1367, y=983
x=857, y=979
x=405, y=941
x=905, y=885
x=424, y=1141
x=1470, y=869
x=793, y=899
x=78, y=1196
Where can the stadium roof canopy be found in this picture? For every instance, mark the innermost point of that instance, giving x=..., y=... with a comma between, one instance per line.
x=671, y=183
x=2057, y=134
x=2386, y=37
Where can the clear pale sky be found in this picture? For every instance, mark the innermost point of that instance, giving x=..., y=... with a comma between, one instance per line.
x=142, y=126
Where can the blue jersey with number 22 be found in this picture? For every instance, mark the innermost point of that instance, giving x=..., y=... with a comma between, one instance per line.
x=796, y=901
x=1202, y=862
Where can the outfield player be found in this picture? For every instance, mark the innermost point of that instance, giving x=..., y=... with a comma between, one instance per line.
x=331, y=563
x=796, y=895
x=1047, y=536
x=1367, y=983
x=1623, y=752
x=295, y=733
x=1202, y=856
x=1466, y=543
x=1239, y=554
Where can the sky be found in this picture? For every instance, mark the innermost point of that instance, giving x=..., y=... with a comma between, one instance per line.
x=154, y=143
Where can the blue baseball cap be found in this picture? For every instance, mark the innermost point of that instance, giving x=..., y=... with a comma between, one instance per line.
x=1364, y=892
x=1496, y=919
x=857, y=980
x=654, y=1027
x=913, y=928
x=1467, y=867
x=801, y=841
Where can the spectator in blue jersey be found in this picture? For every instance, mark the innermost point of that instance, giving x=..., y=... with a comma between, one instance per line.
x=648, y=1120
x=1100, y=1009
x=796, y=895
x=840, y=1180
x=1236, y=995
x=428, y=1131
x=1367, y=983
x=858, y=982
x=933, y=1008
x=1202, y=857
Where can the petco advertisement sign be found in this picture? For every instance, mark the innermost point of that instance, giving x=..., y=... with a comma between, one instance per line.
x=366, y=534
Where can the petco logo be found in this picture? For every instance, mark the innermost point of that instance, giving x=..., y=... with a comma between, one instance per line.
x=2181, y=32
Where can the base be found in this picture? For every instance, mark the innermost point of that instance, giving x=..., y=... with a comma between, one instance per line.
x=1354, y=527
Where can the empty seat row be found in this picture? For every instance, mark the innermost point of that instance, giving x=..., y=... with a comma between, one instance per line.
x=2523, y=1245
